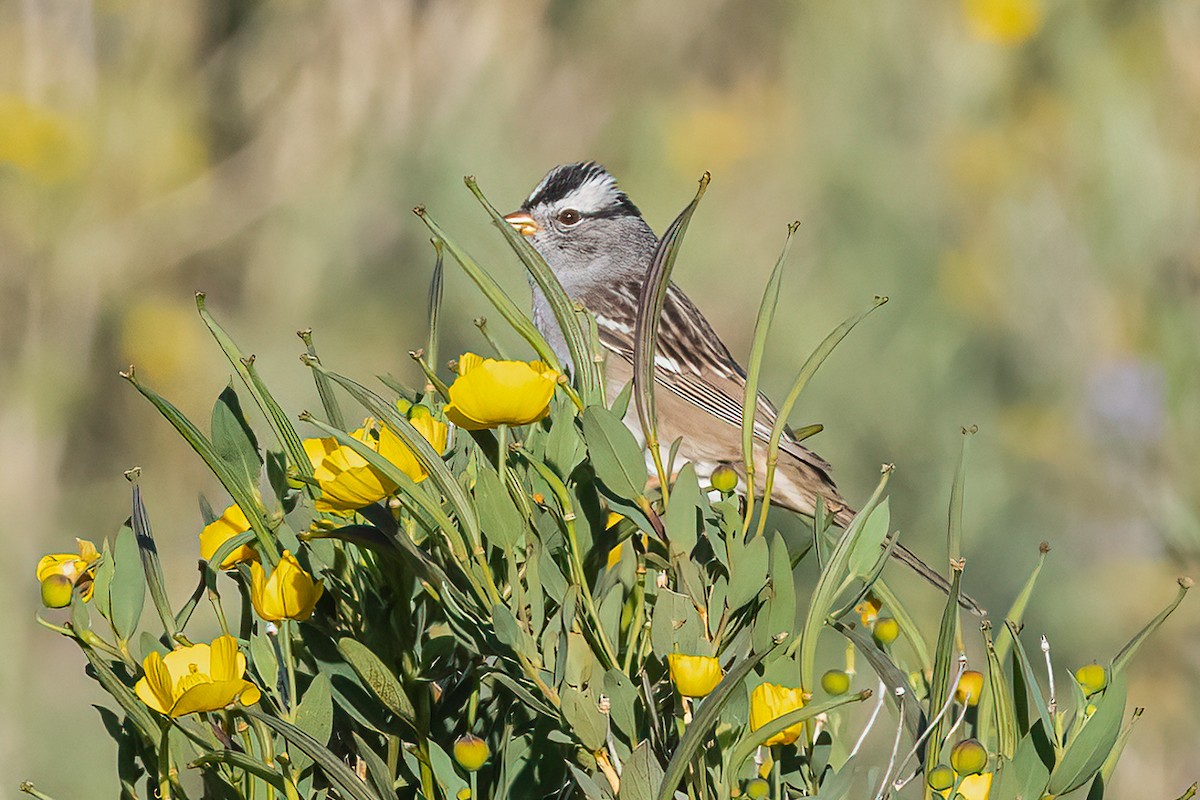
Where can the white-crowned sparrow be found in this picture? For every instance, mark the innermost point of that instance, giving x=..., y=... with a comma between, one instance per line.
x=594, y=239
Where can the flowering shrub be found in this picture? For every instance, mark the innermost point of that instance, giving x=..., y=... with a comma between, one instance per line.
x=474, y=593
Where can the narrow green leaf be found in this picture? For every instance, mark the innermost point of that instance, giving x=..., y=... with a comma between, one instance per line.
x=375, y=674
x=758, y=349
x=684, y=516
x=377, y=771
x=1130, y=649
x=329, y=401
x=706, y=716
x=999, y=702
x=645, y=338
x=338, y=774
x=136, y=710
x=892, y=676
x=502, y=524
x=1025, y=776
x=588, y=723
x=945, y=660
x=642, y=774
x=233, y=439
x=748, y=567
x=586, y=370
x=239, y=760
x=1085, y=754
x=436, y=290
x=279, y=421
x=1030, y=684
x=314, y=715
x=128, y=590
x=151, y=568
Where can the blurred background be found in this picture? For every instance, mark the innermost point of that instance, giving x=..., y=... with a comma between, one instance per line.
x=1021, y=177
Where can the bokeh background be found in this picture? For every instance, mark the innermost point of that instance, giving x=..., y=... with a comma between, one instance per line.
x=1021, y=177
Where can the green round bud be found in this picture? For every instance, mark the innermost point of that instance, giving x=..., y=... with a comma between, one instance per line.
x=758, y=789
x=471, y=752
x=724, y=479
x=835, y=682
x=969, y=757
x=940, y=778
x=56, y=591
x=1092, y=678
x=886, y=630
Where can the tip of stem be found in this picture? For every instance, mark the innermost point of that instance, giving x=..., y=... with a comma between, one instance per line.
x=132, y=474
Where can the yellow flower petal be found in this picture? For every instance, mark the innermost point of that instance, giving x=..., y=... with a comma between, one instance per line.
x=694, y=676
x=973, y=787
x=488, y=392
x=288, y=593
x=199, y=677
x=232, y=522
x=213, y=696
x=156, y=689
x=768, y=702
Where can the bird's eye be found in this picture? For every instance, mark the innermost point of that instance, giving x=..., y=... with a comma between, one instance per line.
x=569, y=216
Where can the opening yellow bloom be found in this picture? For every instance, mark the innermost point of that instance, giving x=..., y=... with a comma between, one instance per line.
x=216, y=533
x=1007, y=22
x=196, y=678
x=347, y=482
x=79, y=568
x=694, y=676
x=770, y=701
x=488, y=392
x=973, y=787
x=290, y=592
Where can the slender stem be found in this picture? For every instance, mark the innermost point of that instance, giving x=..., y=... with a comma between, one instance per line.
x=501, y=452
x=164, y=763
x=777, y=773
x=474, y=785
x=285, y=628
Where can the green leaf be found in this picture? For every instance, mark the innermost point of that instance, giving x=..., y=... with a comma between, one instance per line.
x=134, y=708
x=128, y=590
x=624, y=698
x=314, y=715
x=748, y=568
x=338, y=774
x=780, y=612
x=102, y=582
x=378, y=678
x=645, y=337
x=279, y=421
x=892, y=676
x=999, y=702
x=675, y=625
x=587, y=372
x=564, y=446
x=642, y=774
x=377, y=771
x=239, y=760
x=945, y=660
x=502, y=524
x=684, y=515
x=1127, y=652
x=864, y=554
x=706, y=716
x=151, y=568
x=1024, y=776
x=232, y=438
x=615, y=453
x=758, y=349
x=587, y=721
x=1083, y=755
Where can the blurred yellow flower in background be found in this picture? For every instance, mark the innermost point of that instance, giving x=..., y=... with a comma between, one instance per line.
x=232, y=522
x=1007, y=22
x=488, y=393
x=41, y=143
x=770, y=701
x=196, y=678
x=348, y=482
x=289, y=593
x=694, y=676
x=78, y=568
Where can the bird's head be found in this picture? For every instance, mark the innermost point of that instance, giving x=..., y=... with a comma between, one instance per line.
x=586, y=228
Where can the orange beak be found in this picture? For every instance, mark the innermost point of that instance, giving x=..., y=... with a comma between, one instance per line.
x=525, y=224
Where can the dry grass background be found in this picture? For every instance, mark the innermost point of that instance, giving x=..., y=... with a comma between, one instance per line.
x=1020, y=177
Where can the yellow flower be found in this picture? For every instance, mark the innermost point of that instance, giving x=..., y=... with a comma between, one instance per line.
x=973, y=787
x=290, y=592
x=694, y=676
x=488, y=392
x=216, y=533
x=769, y=701
x=1007, y=22
x=79, y=568
x=347, y=482
x=868, y=609
x=196, y=678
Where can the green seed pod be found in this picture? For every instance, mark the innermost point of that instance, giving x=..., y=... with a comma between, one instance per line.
x=758, y=789
x=835, y=682
x=56, y=591
x=940, y=778
x=886, y=631
x=724, y=479
x=969, y=757
x=471, y=752
x=1092, y=678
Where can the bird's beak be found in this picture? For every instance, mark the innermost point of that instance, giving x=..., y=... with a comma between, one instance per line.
x=525, y=224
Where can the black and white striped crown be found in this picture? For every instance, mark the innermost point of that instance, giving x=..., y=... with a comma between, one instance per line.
x=586, y=187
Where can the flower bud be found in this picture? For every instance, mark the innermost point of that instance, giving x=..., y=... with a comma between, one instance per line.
x=463, y=793
x=471, y=752
x=970, y=685
x=724, y=479
x=886, y=631
x=835, y=682
x=758, y=789
x=1092, y=678
x=969, y=757
x=940, y=778
x=56, y=591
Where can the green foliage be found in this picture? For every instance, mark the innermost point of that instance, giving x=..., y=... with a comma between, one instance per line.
x=528, y=587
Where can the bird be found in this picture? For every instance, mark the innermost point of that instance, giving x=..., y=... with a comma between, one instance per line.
x=598, y=245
